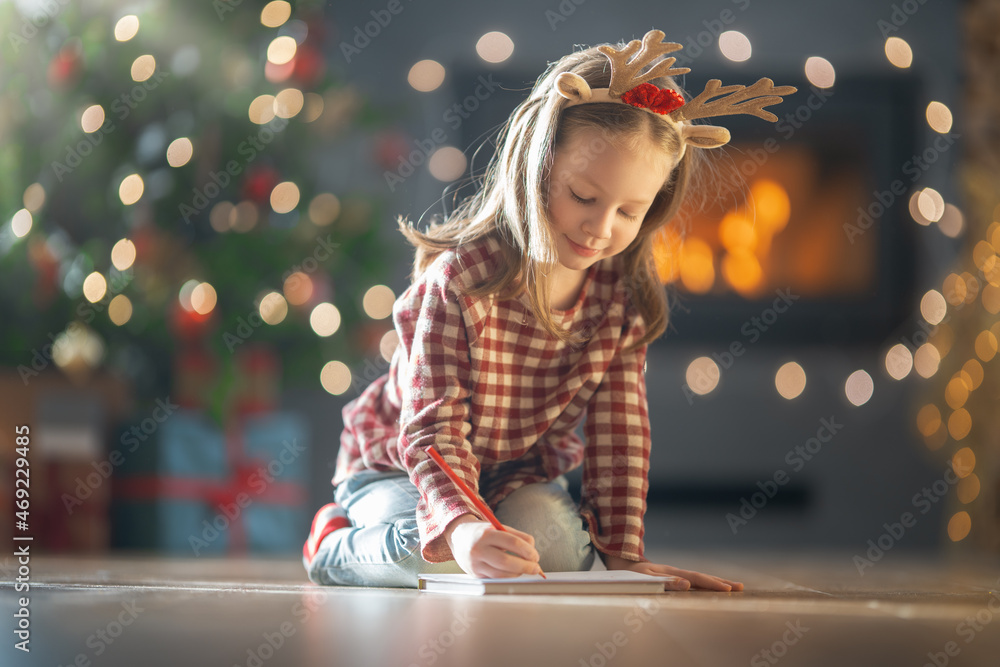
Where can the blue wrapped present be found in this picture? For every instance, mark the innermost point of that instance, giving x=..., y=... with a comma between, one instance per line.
x=213, y=491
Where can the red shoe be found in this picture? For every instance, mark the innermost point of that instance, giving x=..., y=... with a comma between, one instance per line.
x=329, y=518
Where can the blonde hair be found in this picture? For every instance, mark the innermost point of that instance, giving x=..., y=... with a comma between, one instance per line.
x=511, y=204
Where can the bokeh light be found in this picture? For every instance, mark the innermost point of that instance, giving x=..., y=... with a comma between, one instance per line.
x=898, y=361
x=261, y=109
x=702, y=375
x=298, y=288
x=735, y=46
x=933, y=307
x=325, y=319
x=929, y=420
x=284, y=197
x=447, y=164
x=930, y=203
x=952, y=222
x=926, y=360
x=324, y=209
x=120, y=310
x=959, y=526
x=790, y=380
x=131, y=188
x=92, y=118
x=426, y=75
x=986, y=345
x=697, y=266
x=820, y=72
x=335, y=377
x=126, y=28
x=273, y=308
x=288, y=103
x=859, y=387
x=281, y=50
x=939, y=117
x=95, y=286
x=203, y=298
x=34, y=197
x=495, y=47
x=143, y=68
x=123, y=254
x=21, y=223
x=275, y=13
x=959, y=424
x=388, y=344
x=378, y=301
x=179, y=152
x=968, y=489
x=898, y=51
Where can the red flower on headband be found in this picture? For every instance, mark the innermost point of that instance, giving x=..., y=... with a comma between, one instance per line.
x=648, y=96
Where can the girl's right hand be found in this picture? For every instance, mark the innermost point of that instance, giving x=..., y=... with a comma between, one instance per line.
x=483, y=551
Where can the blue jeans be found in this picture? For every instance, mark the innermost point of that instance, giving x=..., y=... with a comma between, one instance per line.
x=382, y=548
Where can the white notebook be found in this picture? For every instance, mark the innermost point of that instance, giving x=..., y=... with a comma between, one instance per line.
x=595, y=582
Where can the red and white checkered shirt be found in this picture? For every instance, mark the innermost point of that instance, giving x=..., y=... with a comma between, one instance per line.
x=499, y=397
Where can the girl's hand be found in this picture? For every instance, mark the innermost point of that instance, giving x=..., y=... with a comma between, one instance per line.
x=483, y=551
x=685, y=578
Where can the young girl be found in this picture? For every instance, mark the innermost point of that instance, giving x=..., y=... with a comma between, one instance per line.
x=530, y=311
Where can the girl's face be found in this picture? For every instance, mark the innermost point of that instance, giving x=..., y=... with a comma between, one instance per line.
x=599, y=194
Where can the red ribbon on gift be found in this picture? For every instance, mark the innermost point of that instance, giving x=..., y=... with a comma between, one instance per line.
x=247, y=478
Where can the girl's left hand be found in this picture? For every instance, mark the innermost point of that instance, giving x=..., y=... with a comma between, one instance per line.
x=686, y=578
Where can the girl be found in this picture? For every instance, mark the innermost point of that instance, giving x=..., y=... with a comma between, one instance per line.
x=530, y=311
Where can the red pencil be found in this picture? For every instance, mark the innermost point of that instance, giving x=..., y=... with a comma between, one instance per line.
x=473, y=497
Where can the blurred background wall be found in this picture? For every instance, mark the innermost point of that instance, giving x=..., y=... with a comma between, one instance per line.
x=200, y=203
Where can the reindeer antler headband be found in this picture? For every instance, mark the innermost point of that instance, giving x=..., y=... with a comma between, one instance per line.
x=629, y=86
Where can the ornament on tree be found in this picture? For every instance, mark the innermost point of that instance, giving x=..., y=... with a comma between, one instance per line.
x=309, y=66
x=65, y=66
x=258, y=184
x=189, y=325
x=391, y=148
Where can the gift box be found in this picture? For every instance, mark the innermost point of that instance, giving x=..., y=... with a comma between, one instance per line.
x=67, y=426
x=195, y=488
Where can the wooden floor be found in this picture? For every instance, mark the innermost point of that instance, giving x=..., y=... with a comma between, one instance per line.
x=798, y=609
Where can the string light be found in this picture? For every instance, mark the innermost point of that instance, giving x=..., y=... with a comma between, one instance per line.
x=702, y=375
x=378, y=302
x=127, y=27
x=123, y=254
x=426, y=75
x=859, y=387
x=495, y=47
x=325, y=319
x=790, y=380
x=21, y=223
x=335, y=377
x=735, y=46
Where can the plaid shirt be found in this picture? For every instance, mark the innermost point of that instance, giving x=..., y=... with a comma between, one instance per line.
x=500, y=398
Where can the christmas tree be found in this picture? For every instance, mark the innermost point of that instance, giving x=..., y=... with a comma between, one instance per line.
x=164, y=199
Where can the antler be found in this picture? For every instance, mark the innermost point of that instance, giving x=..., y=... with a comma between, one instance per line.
x=734, y=100
x=625, y=74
